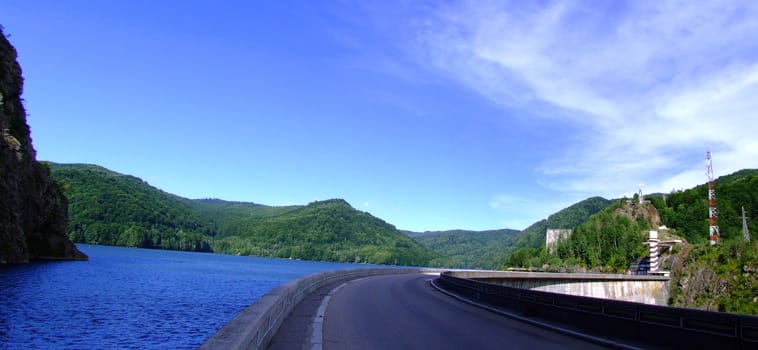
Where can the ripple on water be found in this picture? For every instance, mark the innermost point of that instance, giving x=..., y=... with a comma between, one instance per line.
x=130, y=298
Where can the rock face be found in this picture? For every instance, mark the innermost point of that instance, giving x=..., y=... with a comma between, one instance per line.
x=33, y=210
x=634, y=210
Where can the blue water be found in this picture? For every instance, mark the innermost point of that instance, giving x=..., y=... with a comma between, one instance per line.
x=134, y=298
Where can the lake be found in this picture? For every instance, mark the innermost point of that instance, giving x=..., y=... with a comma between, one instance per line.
x=135, y=298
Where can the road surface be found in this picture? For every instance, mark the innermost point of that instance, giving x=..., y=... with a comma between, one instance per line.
x=406, y=312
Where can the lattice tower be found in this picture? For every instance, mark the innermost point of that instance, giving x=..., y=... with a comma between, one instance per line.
x=713, y=213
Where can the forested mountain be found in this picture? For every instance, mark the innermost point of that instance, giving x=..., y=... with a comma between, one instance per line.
x=327, y=230
x=112, y=208
x=528, y=248
x=687, y=211
x=468, y=249
x=106, y=207
x=116, y=209
x=492, y=249
x=611, y=239
x=717, y=278
x=568, y=218
x=723, y=277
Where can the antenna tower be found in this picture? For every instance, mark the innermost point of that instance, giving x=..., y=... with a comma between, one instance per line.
x=712, y=211
x=745, y=230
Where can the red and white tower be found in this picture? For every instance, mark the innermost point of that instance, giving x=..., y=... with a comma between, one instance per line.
x=713, y=214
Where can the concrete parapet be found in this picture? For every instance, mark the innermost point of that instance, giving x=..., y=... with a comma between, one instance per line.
x=480, y=274
x=646, y=289
x=254, y=327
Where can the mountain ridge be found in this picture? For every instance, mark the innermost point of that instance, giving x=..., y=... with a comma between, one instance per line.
x=118, y=209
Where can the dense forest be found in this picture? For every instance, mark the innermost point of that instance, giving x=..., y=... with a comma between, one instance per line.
x=106, y=207
x=723, y=277
x=469, y=249
x=528, y=248
x=115, y=209
x=568, y=218
x=327, y=230
x=717, y=278
x=493, y=249
x=687, y=211
x=611, y=239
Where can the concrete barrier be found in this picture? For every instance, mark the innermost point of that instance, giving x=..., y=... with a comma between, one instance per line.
x=254, y=327
x=648, y=325
x=637, y=288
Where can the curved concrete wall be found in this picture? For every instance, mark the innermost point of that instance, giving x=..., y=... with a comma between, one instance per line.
x=636, y=288
x=254, y=327
x=646, y=292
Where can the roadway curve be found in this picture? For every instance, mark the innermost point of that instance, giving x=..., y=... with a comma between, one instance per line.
x=406, y=312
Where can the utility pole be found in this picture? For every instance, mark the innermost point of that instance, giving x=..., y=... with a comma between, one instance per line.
x=713, y=215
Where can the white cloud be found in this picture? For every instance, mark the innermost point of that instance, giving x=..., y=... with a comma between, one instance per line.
x=652, y=84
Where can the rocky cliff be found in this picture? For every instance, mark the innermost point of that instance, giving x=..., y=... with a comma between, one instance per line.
x=33, y=210
x=716, y=278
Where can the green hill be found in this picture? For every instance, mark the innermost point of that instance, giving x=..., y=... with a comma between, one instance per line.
x=493, y=249
x=468, y=249
x=568, y=218
x=116, y=209
x=109, y=208
x=528, y=248
x=717, y=278
x=722, y=277
x=687, y=211
x=326, y=230
x=611, y=239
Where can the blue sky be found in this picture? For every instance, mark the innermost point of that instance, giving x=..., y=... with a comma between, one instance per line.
x=430, y=115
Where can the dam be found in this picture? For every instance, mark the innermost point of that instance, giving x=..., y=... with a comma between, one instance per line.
x=646, y=289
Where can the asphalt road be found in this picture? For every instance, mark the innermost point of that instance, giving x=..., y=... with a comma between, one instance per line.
x=406, y=312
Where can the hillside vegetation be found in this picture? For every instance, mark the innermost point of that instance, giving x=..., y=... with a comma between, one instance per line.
x=493, y=249
x=528, y=248
x=608, y=241
x=116, y=209
x=687, y=211
x=469, y=249
x=717, y=278
x=328, y=230
x=611, y=239
x=723, y=277
x=568, y=218
x=109, y=208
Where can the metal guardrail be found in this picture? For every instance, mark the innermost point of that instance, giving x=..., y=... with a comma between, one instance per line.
x=651, y=325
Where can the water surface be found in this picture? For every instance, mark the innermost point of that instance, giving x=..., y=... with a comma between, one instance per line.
x=134, y=298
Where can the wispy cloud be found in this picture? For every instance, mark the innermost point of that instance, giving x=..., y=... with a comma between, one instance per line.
x=653, y=85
